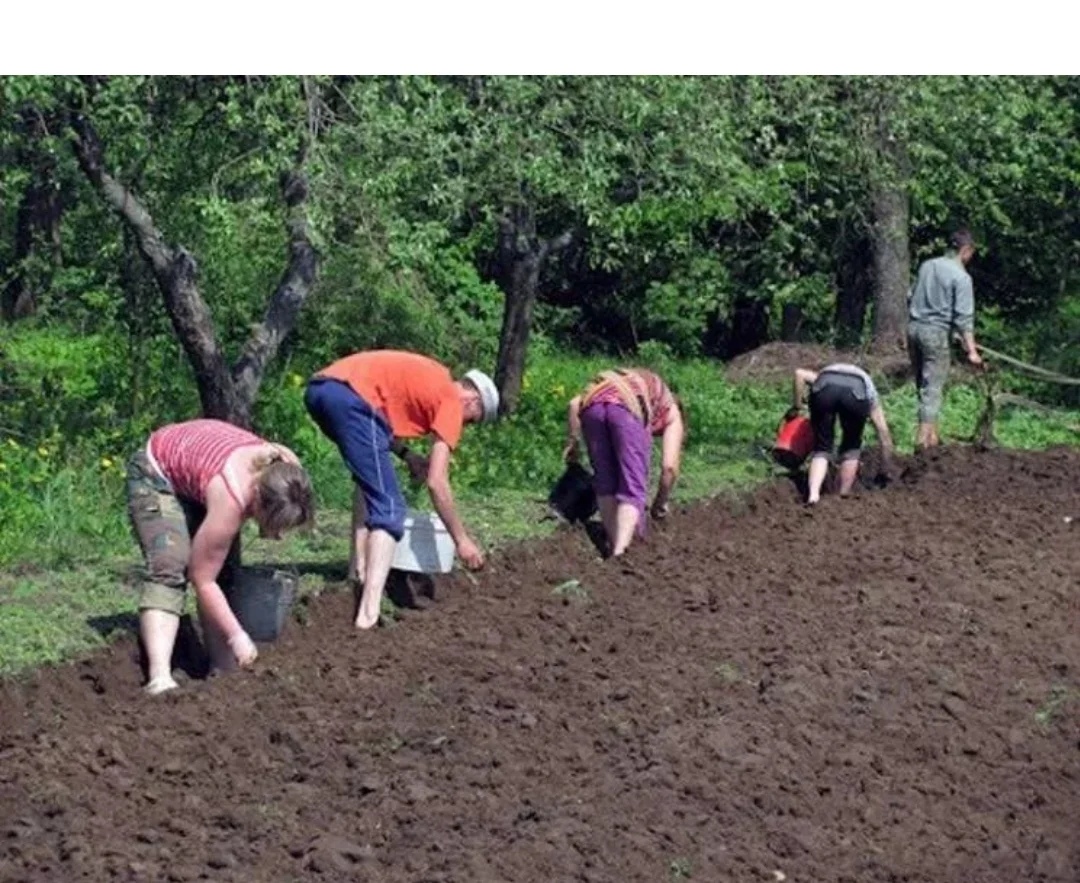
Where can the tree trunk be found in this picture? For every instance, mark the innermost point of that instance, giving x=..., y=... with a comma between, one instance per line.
x=890, y=211
x=18, y=298
x=891, y=273
x=524, y=283
x=747, y=327
x=37, y=220
x=521, y=258
x=854, y=281
x=225, y=394
x=791, y=322
x=137, y=293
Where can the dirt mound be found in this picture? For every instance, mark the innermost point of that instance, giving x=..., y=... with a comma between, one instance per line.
x=881, y=688
x=778, y=361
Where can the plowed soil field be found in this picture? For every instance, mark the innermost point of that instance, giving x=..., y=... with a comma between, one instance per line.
x=886, y=688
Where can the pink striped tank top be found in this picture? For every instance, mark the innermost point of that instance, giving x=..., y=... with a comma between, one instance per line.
x=645, y=386
x=188, y=455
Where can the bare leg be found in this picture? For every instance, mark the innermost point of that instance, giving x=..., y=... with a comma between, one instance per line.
x=380, y=555
x=819, y=468
x=358, y=553
x=607, y=517
x=626, y=520
x=158, y=629
x=849, y=471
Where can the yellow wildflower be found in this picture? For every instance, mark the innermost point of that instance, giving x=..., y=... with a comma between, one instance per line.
x=43, y=451
x=106, y=463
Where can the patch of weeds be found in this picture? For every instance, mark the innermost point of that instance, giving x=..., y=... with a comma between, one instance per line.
x=391, y=744
x=389, y=612
x=1055, y=702
x=728, y=672
x=619, y=726
x=301, y=614
x=572, y=590
x=310, y=585
x=680, y=869
x=424, y=693
x=738, y=506
x=270, y=811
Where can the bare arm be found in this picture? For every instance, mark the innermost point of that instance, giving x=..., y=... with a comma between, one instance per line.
x=881, y=426
x=971, y=348
x=209, y=549
x=964, y=317
x=670, y=459
x=803, y=379
x=438, y=485
x=573, y=430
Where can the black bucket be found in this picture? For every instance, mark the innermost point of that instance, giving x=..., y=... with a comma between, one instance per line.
x=261, y=598
x=573, y=498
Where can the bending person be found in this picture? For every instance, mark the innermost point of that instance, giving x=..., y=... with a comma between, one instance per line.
x=189, y=491
x=847, y=393
x=366, y=404
x=618, y=414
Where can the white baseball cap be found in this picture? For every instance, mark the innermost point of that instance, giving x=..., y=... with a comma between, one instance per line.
x=489, y=394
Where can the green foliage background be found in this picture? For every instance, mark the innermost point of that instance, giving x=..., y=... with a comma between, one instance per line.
x=704, y=210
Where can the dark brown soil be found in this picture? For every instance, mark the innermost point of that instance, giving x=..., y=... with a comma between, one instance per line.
x=777, y=361
x=885, y=688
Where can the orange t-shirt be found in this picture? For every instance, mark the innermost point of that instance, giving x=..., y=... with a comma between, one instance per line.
x=415, y=394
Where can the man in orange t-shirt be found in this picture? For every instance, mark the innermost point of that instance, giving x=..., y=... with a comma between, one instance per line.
x=366, y=404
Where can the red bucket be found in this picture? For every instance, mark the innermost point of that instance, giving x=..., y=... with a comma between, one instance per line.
x=794, y=442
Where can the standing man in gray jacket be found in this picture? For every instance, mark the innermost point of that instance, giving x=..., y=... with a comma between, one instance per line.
x=942, y=300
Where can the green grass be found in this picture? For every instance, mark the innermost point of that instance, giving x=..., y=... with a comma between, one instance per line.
x=1057, y=699
x=47, y=617
x=572, y=590
x=680, y=869
x=67, y=556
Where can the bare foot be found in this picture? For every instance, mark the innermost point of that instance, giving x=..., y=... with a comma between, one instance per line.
x=363, y=621
x=160, y=685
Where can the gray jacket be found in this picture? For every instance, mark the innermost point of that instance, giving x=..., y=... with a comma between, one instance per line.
x=943, y=295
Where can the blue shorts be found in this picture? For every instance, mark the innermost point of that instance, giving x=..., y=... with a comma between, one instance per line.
x=363, y=437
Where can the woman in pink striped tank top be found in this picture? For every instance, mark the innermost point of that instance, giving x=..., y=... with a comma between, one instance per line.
x=190, y=490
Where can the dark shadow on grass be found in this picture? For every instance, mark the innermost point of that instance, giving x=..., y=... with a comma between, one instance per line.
x=107, y=626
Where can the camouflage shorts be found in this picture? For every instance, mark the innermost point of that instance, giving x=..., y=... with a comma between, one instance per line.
x=164, y=525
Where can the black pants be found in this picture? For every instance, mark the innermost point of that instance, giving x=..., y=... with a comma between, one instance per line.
x=843, y=396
